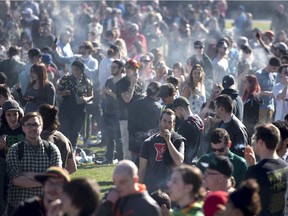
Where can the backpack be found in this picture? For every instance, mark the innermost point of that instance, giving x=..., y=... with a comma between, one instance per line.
x=47, y=148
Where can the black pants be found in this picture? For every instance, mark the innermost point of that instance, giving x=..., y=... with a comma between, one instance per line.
x=71, y=121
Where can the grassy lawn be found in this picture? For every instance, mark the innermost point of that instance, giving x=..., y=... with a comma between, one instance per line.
x=261, y=24
x=102, y=174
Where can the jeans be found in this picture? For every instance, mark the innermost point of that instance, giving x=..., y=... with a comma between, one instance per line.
x=125, y=139
x=112, y=137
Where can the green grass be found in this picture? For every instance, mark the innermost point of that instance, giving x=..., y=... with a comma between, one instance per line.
x=102, y=174
x=261, y=24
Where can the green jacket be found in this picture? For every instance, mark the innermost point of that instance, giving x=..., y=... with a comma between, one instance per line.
x=239, y=163
x=194, y=209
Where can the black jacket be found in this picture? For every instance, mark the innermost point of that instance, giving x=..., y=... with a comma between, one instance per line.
x=238, y=135
x=237, y=102
x=143, y=117
x=251, y=113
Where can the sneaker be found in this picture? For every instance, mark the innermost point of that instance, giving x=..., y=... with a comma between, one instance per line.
x=106, y=161
x=103, y=162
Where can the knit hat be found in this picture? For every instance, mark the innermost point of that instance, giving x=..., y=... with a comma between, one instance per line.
x=10, y=105
x=212, y=202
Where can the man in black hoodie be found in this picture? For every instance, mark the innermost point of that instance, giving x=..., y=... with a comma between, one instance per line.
x=227, y=83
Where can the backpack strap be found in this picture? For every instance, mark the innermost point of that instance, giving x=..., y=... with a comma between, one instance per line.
x=47, y=148
x=21, y=150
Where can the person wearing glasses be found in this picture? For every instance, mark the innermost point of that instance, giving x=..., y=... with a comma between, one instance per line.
x=218, y=175
x=37, y=156
x=146, y=70
x=220, y=144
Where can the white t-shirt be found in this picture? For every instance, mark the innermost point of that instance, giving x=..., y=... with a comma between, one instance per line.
x=281, y=105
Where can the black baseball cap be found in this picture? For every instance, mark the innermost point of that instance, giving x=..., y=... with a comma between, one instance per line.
x=228, y=81
x=221, y=164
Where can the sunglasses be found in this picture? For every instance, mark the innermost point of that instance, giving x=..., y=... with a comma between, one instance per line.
x=215, y=91
x=198, y=47
x=145, y=61
x=219, y=150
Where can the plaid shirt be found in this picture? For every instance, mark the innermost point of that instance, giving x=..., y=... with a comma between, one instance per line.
x=33, y=160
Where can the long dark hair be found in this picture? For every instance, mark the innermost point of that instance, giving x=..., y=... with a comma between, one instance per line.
x=254, y=87
x=49, y=115
x=79, y=64
x=40, y=70
x=191, y=83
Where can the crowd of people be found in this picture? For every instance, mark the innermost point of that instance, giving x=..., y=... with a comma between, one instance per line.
x=195, y=115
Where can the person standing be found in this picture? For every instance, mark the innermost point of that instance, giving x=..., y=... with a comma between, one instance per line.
x=143, y=119
x=52, y=182
x=220, y=63
x=252, y=102
x=50, y=133
x=12, y=66
x=76, y=90
x=27, y=159
x=129, y=196
x=218, y=175
x=10, y=130
x=24, y=76
x=111, y=111
x=220, y=144
x=39, y=91
x=85, y=55
x=271, y=171
x=160, y=153
x=194, y=90
x=235, y=128
x=185, y=189
x=280, y=94
x=266, y=81
x=229, y=89
x=191, y=128
x=129, y=89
